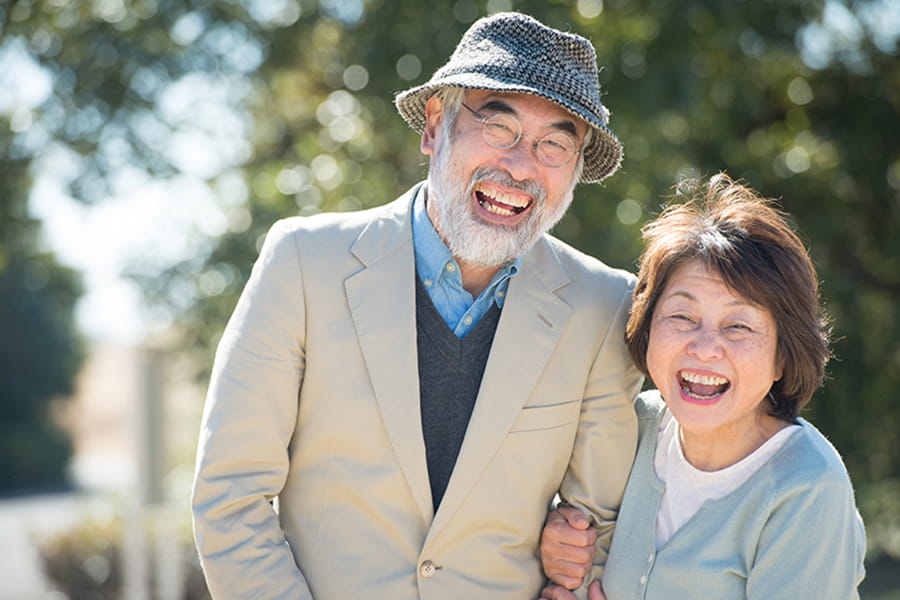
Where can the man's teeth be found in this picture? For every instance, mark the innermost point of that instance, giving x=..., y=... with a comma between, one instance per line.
x=501, y=204
x=704, y=379
x=497, y=210
x=508, y=199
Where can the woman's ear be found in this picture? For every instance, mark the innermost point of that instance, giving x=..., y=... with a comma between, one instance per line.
x=434, y=115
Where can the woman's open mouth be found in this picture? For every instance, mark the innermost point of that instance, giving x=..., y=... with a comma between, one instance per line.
x=702, y=387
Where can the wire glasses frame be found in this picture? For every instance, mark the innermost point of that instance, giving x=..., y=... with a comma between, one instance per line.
x=503, y=131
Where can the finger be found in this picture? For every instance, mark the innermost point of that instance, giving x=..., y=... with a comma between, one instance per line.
x=558, y=530
x=569, y=575
x=561, y=556
x=595, y=592
x=555, y=592
x=566, y=582
x=575, y=517
x=554, y=516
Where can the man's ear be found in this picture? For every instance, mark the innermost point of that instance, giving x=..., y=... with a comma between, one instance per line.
x=434, y=115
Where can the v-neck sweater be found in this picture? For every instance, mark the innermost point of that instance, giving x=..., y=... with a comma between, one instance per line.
x=450, y=372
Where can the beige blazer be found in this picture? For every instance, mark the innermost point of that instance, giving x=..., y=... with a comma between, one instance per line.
x=311, y=479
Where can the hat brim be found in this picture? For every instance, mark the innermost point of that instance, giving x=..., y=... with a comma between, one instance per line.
x=602, y=155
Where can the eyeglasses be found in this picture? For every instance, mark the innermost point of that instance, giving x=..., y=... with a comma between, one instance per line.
x=503, y=131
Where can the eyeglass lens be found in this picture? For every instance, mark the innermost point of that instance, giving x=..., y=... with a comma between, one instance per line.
x=553, y=149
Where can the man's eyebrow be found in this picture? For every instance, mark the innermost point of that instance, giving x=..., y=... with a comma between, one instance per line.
x=499, y=106
x=568, y=127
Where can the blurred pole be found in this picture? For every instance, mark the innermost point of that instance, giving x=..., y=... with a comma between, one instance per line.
x=151, y=447
x=134, y=556
x=150, y=509
x=169, y=572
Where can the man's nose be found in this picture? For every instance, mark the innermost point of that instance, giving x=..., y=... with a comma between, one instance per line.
x=521, y=159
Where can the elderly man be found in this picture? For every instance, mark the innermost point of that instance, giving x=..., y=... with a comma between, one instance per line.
x=401, y=392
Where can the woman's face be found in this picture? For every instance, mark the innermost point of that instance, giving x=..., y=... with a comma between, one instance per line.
x=712, y=355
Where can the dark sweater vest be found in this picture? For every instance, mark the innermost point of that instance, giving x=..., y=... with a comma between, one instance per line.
x=450, y=371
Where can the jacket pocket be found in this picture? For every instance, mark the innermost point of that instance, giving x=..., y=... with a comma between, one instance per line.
x=551, y=416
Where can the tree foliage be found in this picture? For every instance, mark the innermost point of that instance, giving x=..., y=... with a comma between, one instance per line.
x=799, y=99
x=40, y=350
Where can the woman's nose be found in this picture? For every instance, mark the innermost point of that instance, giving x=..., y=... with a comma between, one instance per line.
x=705, y=345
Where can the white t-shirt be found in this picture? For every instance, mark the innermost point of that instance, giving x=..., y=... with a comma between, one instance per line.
x=687, y=487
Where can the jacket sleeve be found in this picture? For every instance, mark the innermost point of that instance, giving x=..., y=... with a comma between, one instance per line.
x=607, y=435
x=812, y=545
x=248, y=420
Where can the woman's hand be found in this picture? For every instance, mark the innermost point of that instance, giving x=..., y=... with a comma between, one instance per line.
x=556, y=592
x=567, y=547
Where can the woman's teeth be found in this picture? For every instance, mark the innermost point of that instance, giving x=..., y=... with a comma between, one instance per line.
x=703, y=379
x=703, y=387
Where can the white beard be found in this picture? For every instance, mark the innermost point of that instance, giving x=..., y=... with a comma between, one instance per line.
x=469, y=238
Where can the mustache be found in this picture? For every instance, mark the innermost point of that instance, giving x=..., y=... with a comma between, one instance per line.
x=502, y=177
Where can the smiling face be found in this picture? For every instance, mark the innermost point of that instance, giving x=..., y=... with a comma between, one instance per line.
x=491, y=205
x=712, y=355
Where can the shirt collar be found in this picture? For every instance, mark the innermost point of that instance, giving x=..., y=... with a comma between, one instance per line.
x=432, y=255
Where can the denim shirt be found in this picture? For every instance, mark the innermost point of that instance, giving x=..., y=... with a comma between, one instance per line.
x=439, y=273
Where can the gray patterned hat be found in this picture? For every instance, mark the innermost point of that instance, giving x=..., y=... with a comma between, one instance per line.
x=513, y=52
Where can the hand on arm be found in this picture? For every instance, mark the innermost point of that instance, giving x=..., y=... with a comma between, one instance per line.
x=567, y=546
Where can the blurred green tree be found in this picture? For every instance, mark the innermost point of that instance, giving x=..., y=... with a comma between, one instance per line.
x=109, y=119
x=799, y=98
x=106, y=65
x=40, y=351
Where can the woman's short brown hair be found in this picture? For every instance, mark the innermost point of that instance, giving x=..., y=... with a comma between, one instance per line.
x=751, y=244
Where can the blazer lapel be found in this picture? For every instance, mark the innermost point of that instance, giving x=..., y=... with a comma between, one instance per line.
x=382, y=301
x=530, y=325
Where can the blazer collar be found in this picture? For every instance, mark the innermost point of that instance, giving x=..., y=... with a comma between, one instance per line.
x=389, y=229
x=381, y=297
x=531, y=323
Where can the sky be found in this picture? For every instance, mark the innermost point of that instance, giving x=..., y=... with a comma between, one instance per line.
x=162, y=220
x=165, y=220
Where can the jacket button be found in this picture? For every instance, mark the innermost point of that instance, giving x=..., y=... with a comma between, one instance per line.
x=427, y=569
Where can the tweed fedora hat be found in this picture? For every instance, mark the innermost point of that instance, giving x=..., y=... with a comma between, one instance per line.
x=513, y=52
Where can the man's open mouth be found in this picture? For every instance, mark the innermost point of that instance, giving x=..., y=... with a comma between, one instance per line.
x=501, y=204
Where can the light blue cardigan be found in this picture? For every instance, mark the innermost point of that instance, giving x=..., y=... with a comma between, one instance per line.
x=790, y=531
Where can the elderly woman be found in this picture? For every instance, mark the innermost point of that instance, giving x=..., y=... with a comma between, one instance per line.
x=732, y=494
